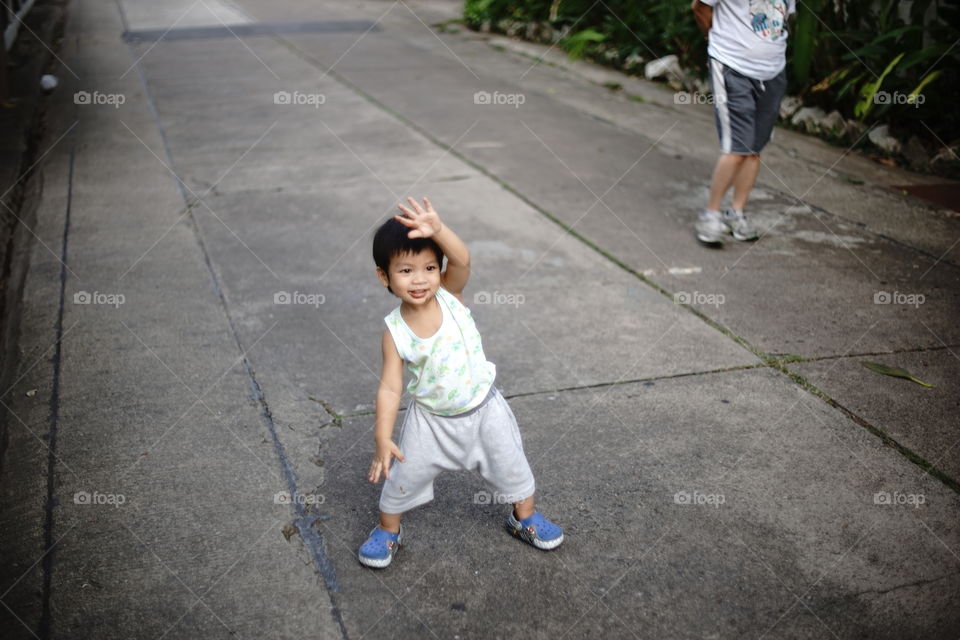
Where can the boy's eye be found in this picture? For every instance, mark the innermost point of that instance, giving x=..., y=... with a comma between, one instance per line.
x=404, y=270
x=432, y=267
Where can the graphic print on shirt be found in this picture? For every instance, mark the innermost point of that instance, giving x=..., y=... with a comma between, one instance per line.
x=449, y=373
x=767, y=18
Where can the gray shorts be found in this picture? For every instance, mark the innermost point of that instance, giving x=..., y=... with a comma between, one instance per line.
x=745, y=109
x=485, y=439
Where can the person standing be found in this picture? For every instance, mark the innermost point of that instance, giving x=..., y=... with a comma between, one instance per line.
x=747, y=45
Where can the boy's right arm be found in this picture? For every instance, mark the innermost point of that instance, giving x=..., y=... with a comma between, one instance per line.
x=388, y=405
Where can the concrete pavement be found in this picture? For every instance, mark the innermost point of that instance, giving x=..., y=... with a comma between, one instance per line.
x=697, y=420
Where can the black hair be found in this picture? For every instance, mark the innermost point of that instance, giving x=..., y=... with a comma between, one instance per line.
x=391, y=240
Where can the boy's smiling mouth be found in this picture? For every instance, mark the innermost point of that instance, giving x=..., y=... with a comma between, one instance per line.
x=418, y=293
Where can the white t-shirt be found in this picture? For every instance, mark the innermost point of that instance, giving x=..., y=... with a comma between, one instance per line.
x=750, y=36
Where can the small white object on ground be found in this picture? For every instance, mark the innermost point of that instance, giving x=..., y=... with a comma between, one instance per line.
x=48, y=82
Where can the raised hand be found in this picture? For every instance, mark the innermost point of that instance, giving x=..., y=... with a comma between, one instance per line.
x=423, y=221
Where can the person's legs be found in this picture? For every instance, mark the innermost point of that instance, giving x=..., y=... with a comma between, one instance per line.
x=725, y=173
x=767, y=110
x=523, y=509
x=734, y=219
x=497, y=455
x=744, y=179
x=502, y=463
x=734, y=105
x=409, y=485
x=390, y=522
x=767, y=96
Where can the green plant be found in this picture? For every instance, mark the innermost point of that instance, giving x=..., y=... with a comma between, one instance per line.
x=578, y=44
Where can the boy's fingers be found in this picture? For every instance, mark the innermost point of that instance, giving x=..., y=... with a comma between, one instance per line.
x=416, y=205
x=405, y=221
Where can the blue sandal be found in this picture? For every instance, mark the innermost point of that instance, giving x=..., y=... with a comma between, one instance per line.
x=378, y=551
x=536, y=530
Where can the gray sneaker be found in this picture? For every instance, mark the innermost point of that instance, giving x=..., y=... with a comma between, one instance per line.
x=736, y=223
x=710, y=228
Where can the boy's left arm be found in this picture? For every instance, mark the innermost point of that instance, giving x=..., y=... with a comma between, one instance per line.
x=457, y=273
x=426, y=223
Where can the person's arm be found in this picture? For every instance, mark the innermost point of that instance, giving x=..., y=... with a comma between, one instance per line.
x=424, y=222
x=388, y=405
x=703, y=14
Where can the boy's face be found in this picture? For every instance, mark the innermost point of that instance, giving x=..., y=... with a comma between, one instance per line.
x=413, y=277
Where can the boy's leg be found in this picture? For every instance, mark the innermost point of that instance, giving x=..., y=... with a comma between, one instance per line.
x=410, y=484
x=727, y=170
x=390, y=522
x=764, y=116
x=734, y=110
x=523, y=509
x=498, y=454
x=502, y=463
x=744, y=180
x=766, y=109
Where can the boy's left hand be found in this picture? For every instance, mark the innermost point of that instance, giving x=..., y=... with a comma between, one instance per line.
x=423, y=221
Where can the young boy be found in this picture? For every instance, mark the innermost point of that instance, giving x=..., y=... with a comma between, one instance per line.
x=747, y=50
x=458, y=419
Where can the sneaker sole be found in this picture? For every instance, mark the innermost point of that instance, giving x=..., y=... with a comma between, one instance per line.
x=712, y=241
x=750, y=238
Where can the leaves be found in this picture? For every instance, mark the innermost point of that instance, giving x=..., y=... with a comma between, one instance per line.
x=896, y=372
x=927, y=80
x=577, y=44
x=869, y=90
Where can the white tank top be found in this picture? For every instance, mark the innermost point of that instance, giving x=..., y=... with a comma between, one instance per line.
x=450, y=373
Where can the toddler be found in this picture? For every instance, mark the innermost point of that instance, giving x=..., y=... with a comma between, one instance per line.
x=457, y=419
